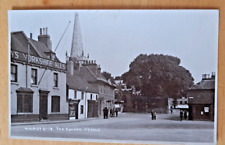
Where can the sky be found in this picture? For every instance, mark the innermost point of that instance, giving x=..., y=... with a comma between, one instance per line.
x=114, y=38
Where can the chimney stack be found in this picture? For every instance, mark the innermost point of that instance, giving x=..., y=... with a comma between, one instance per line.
x=45, y=38
x=30, y=35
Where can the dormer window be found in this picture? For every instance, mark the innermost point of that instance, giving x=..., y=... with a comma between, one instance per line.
x=52, y=56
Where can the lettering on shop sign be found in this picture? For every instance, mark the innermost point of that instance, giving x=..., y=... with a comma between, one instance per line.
x=15, y=55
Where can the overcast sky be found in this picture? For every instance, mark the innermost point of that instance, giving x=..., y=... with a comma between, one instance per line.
x=115, y=37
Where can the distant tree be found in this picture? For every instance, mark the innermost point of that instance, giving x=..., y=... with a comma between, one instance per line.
x=158, y=75
x=108, y=76
x=118, y=78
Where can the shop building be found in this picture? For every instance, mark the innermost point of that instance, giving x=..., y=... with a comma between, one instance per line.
x=82, y=98
x=201, y=99
x=38, y=79
x=80, y=67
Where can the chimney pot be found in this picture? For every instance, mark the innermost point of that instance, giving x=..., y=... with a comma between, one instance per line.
x=46, y=30
x=30, y=35
x=40, y=31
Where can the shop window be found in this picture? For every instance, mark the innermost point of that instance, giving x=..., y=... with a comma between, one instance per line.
x=82, y=109
x=206, y=109
x=13, y=73
x=33, y=76
x=55, y=80
x=55, y=103
x=24, y=103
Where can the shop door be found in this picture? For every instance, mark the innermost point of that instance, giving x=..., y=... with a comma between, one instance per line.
x=43, y=105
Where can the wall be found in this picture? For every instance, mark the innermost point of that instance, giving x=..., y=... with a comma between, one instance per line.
x=46, y=83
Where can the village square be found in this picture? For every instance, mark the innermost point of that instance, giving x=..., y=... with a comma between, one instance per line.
x=155, y=100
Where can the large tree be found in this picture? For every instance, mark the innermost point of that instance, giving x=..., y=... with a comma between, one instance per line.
x=158, y=75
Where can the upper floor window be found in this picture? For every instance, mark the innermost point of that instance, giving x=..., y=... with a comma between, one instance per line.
x=82, y=95
x=13, y=73
x=34, y=76
x=75, y=94
x=55, y=80
x=91, y=97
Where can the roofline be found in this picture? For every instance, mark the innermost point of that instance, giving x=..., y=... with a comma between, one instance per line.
x=83, y=90
x=28, y=39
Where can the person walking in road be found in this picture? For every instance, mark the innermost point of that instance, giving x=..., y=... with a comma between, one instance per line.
x=105, y=113
x=185, y=115
x=116, y=110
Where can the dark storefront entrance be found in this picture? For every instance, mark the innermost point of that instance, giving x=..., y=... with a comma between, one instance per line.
x=73, y=109
x=92, y=109
x=43, y=104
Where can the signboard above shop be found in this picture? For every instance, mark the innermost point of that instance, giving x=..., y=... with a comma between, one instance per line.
x=29, y=59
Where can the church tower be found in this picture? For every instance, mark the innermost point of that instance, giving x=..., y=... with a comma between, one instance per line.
x=77, y=44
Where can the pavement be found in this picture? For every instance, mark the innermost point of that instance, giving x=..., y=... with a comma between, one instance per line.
x=52, y=121
x=127, y=127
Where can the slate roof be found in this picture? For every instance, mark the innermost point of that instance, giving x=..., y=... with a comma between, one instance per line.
x=77, y=83
x=204, y=85
x=19, y=42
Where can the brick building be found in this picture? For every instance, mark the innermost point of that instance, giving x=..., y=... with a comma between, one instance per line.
x=201, y=99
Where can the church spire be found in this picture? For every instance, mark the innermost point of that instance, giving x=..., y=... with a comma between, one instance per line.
x=77, y=44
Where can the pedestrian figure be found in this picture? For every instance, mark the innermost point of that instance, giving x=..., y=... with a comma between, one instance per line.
x=171, y=110
x=185, y=115
x=105, y=113
x=154, y=115
x=116, y=112
x=111, y=112
x=181, y=115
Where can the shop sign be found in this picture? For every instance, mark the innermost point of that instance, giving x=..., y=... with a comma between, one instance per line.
x=29, y=59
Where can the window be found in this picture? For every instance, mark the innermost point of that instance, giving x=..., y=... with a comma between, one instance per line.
x=75, y=94
x=96, y=97
x=55, y=80
x=91, y=97
x=82, y=95
x=33, y=76
x=82, y=109
x=24, y=103
x=181, y=102
x=206, y=109
x=13, y=73
x=55, y=103
x=185, y=102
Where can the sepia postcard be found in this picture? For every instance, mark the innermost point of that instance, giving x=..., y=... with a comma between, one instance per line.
x=124, y=76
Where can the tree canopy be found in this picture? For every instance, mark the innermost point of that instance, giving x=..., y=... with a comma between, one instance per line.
x=158, y=75
x=108, y=76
